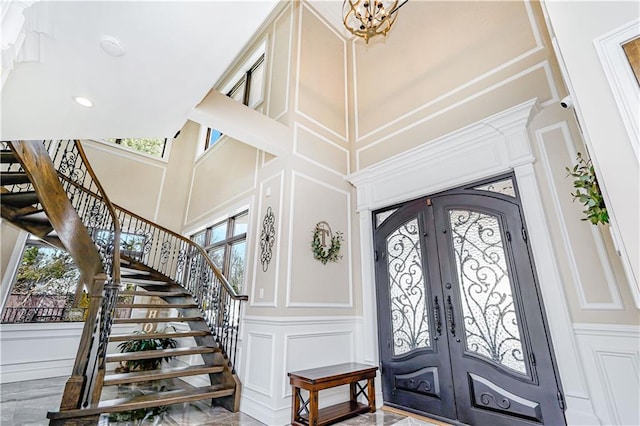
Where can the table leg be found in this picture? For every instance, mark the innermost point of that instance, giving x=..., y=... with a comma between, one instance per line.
x=295, y=404
x=313, y=407
x=353, y=392
x=371, y=388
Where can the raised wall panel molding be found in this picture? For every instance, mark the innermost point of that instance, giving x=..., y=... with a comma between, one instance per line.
x=539, y=46
x=343, y=134
x=288, y=12
x=347, y=256
x=322, y=339
x=250, y=367
x=544, y=66
x=616, y=301
x=611, y=354
x=491, y=146
x=277, y=179
x=622, y=81
x=297, y=127
x=494, y=145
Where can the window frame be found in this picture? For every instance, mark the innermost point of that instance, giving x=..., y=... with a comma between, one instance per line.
x=244, y=81
x=227, y=243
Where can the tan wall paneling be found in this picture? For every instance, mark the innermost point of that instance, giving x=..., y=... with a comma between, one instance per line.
x=265, y=283
x=175, y=193
x=280, y=60
x=319, y=150
x=224, y=174
x=321, y=90
x=435, y=49
x=309, y=282
x=592, y=271
x=131, y=181
x=532, y=83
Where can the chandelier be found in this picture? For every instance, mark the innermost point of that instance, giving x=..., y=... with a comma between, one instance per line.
x=369, y=18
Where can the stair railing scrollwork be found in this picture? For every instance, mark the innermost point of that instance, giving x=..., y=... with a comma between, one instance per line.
x=186, y=263
x=99, y=217
x=167, y=253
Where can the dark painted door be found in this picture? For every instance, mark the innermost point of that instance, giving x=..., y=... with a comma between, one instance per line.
x=461, y=326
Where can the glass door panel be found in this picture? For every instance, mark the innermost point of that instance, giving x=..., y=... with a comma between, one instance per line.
x=410, y=323
x=489, y=316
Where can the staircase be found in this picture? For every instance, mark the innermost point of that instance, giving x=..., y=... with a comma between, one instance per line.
x=130, y=264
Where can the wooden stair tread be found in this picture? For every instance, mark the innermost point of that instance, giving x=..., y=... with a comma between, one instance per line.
x=176, y=335
x=140, y=280
x=20, y=199
x=147, y=401
x=147, y=320
x=165, y=373
x=14, y=178
x=153, y=293
x=7, y=156
x=160, y=353
x=155, y=305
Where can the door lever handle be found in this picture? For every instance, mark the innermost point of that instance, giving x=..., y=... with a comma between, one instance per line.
x=452, y=324
x=436, y=316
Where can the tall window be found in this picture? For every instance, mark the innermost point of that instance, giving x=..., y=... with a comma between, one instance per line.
x=225, y=242
x=247, y=90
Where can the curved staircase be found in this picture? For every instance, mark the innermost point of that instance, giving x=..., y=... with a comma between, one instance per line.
x=128, y=265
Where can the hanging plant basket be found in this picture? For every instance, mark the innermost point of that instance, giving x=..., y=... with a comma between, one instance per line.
x=588, y=191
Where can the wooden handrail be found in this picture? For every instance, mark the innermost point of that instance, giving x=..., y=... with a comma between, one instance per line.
x=115, y=271
x=61, y=213
x=195, y=246
x=201, y=251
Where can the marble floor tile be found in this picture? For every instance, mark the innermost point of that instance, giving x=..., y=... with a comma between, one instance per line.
x=26, y=404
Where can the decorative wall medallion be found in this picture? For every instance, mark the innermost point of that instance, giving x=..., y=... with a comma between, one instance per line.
x=325, y=245
x=267, y=238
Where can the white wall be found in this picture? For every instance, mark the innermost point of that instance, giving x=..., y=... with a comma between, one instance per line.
x=576, y=25
x=40, y=350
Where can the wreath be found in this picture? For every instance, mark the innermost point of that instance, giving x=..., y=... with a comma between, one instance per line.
x=326, y=254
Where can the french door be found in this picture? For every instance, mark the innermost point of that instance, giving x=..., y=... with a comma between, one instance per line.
x=461, y=326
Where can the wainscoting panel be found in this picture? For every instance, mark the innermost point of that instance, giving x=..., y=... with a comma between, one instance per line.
x=611, y=356
x=278, y=345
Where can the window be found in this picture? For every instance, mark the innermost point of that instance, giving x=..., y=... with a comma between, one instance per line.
x=44, y=286
x=247, y=90
x=213, y=136
x=225, y=242
x=151, y=146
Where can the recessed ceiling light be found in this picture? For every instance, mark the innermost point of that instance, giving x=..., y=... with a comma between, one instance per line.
x=83, y=101
x=112, y=46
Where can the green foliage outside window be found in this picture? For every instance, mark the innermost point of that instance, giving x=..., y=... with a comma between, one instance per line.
x=151, y=146
x=45, y=270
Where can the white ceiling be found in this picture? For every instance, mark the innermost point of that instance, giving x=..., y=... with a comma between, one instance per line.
x=175, y=52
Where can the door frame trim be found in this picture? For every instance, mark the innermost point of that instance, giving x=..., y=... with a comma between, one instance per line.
x=497, y=144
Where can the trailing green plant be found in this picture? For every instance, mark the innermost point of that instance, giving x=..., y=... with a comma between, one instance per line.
x=326, y=254
x=588, y=191
x=150, y=344
x=137, y=415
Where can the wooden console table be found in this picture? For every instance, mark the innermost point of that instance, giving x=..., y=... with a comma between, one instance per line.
x=306, y=412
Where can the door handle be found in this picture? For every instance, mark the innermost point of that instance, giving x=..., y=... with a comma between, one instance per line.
x=452, y=324
x=436, y=316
